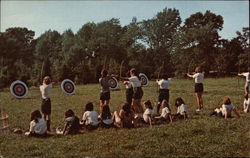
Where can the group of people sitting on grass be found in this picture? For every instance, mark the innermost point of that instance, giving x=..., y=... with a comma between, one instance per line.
x=125, y=118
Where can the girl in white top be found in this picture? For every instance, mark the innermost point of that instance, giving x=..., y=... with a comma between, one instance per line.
x=38, y=125
x=226, y=109
x=199, y=77
x=165, y=113
x=46, y=102
x=163, y=91
x=148, y=113
x=137, y=91
x=182, y=109
x=246, y=103
x=90, y=117
x=247, y=84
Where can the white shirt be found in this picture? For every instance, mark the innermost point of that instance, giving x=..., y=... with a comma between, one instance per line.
x=40, y=127
x=45, y=90
x=91, y=117
x=165, y=111
x=246, y=103
x=135, y=82
x=247, y=75
x=226, y=108
x=146, y=113
x=198, y=77
x=182, y=108
x=164, y=84
x=107, y=121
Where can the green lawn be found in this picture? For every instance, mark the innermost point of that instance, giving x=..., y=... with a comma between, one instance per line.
x=199, y=136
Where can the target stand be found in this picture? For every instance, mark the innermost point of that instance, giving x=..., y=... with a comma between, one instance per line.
x=18, y=89
x=113, y=83
x=68, y=86
x=144, y=79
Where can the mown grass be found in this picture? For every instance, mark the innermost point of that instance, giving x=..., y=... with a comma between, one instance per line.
x=199, y=136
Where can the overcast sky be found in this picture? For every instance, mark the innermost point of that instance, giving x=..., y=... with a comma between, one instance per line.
x=41, y=16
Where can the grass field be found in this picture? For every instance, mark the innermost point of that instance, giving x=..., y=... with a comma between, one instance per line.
x=199, y=136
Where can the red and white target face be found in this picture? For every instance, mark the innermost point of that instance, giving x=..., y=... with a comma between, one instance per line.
x=144, y=79
x=19, y=89
x=113, y=83
x=68, y=86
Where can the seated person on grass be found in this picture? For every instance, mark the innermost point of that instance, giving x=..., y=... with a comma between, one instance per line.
x=71, y=126
x=182, y=109
x=38, y=125
x=90, y=117
x=226, y=110
x=166, y=112
x=125, y=118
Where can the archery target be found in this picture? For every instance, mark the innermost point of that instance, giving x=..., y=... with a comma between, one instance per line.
x=18, y=89
x=144, y=79
x=68, y=86
x=113, y=83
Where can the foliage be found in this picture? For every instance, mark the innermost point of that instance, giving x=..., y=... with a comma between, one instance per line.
x=154, y=46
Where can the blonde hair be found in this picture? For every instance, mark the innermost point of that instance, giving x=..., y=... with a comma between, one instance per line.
x=46, y=80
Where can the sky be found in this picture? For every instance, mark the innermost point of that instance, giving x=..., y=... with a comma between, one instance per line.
x=41, y=16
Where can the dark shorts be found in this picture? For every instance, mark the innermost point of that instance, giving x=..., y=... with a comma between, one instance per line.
x=198, y=87
x=137, y=93
x=129, y=95
x=46, y=106
x=163, y=94
x=247, y=87
x=105, y=96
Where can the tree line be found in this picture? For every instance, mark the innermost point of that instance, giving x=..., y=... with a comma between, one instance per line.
x=154, y=46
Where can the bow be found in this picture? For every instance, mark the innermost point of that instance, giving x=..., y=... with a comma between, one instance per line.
x=121, y=68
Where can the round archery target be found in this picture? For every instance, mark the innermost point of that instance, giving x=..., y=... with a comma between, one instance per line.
x=68, y=86
x=144, y=79
x=113, y=83
x=18, y=89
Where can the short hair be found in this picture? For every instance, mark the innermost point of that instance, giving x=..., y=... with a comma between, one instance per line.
x=104, y=73
x=35, y=115
x=148, y=104
x=179, y=100
x=133, y=70
x=69, y=113
x=198, y=69
x=226, y=101
x=47, y=80
x=89, y=106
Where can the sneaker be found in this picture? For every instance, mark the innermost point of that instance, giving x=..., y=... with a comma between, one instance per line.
x=198, y=110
